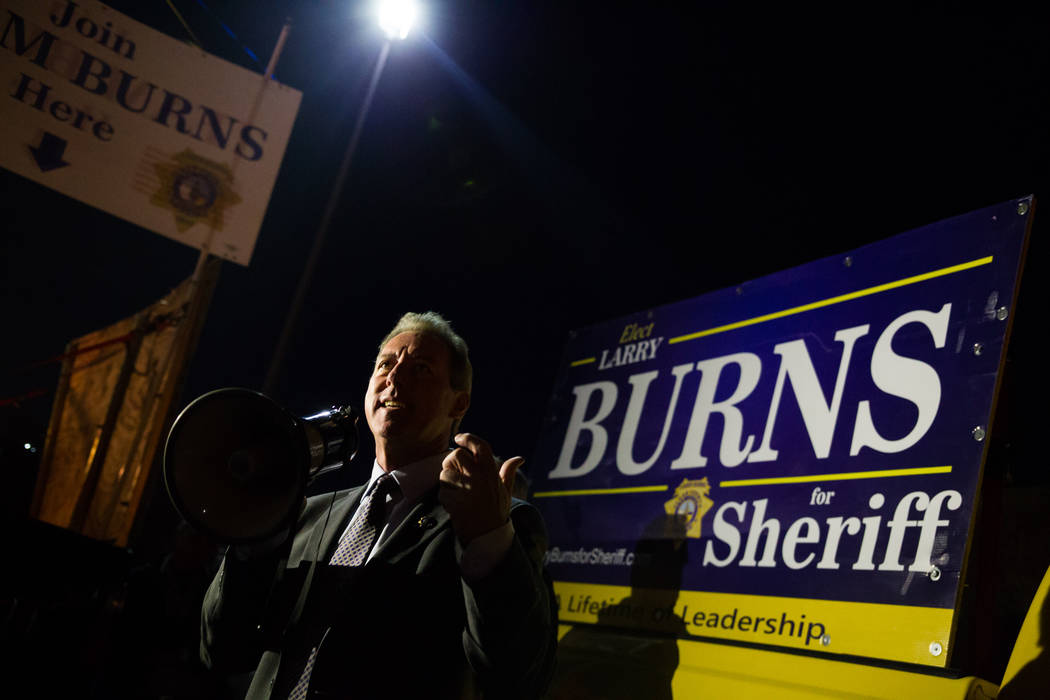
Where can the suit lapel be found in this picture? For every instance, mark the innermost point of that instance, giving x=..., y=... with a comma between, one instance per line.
x=324, y=527
x=425, y=521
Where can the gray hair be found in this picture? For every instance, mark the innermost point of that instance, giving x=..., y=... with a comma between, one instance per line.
x=460, y=372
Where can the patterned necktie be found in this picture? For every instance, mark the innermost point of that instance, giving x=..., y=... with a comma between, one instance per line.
x=356, y=542
x=353, y=549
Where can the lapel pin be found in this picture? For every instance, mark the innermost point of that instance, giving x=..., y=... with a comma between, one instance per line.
x=426, y=522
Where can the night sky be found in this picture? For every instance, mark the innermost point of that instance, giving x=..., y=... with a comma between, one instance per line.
x=528, y=168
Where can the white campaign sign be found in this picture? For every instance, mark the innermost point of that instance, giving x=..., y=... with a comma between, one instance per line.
x=121, y=117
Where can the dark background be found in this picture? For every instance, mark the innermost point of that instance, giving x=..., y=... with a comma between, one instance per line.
x=532, y=167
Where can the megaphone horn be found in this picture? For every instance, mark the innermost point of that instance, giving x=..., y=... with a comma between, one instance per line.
x=237, y=464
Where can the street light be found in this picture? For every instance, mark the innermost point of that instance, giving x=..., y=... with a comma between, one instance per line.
x=395, y=18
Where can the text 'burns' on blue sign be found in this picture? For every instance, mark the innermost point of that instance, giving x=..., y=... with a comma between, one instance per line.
x=817, y=433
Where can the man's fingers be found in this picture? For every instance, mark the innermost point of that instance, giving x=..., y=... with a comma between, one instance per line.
x=451, y=478
x=480, y=449
x=509, y=470
x=459, y=459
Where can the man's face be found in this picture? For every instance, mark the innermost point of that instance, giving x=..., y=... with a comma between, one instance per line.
x=409, y=400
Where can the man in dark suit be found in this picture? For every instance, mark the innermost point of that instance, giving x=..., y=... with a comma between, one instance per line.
x=426, y=582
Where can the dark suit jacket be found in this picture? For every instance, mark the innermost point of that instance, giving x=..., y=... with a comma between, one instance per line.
x=403, y=625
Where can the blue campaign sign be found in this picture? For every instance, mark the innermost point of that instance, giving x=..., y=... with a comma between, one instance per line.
x=804, y=448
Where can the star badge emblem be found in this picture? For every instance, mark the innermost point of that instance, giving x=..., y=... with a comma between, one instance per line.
x=689, y=504
x=195, y=190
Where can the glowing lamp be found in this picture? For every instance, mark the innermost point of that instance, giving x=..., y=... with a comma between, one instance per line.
x=396, y=17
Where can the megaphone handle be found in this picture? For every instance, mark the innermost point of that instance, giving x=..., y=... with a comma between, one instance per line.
x=304, y=592
x=257, y=550
x=254, y=550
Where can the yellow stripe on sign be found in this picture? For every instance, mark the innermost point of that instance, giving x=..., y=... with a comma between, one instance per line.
x=844, y=476
x=835, y=300
x=584, y=361
x=597, y=492
x=876, y=630
x=714, y=670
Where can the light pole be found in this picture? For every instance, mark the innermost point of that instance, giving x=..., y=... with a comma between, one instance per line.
x=396, y=18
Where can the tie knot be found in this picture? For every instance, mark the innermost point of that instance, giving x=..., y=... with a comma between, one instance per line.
x=374, y=503
x=385, y=484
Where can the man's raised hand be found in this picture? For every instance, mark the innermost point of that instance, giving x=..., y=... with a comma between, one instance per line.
x=473, y=490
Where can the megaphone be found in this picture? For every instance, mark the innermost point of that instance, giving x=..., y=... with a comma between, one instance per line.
x=237, y=464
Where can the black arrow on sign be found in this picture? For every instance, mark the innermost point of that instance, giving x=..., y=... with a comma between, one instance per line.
x=48, y=154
